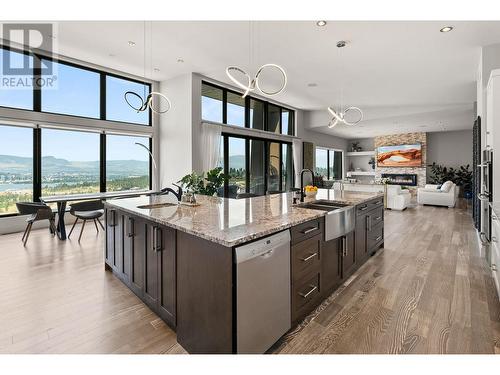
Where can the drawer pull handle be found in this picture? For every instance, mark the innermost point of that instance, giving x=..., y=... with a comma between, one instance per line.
x=312, y=290
x=378, y=218
x=313, y=255
x=130, y=227
x=363, y=208
x=378, y=238
x=309, y=230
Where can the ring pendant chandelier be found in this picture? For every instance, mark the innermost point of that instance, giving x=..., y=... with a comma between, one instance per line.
x=251, y=84
x=156, y=101
x=340, y=116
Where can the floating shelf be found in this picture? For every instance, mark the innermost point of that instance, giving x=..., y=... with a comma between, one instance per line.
x=362, y=173
x=361, y=153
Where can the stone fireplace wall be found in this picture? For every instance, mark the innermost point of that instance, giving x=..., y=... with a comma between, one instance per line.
x=404, y=139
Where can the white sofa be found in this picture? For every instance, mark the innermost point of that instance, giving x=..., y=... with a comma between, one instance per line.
x=434, y=195
x=397, y=198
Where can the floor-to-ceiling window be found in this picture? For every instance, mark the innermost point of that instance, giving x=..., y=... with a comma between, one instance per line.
x=127, y=163
x=237, y=163
x=76, y=93
x=70, y=162
x=256, y=164
x=69, y=154
x=329, y=163
x=16, y=167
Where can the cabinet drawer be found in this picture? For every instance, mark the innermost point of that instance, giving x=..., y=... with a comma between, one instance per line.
x=305, y=296
x=370, y=205
x=375, y=236
x=362, y=208
x=377, y=202
x=306, y=257
x=306, y=230
x=375, y=217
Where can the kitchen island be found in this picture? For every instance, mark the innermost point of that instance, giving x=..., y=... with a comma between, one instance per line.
x=180, y=259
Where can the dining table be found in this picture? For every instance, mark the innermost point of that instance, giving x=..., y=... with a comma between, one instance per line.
x=62, y=201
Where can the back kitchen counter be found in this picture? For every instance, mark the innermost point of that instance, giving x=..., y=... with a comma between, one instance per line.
x=180, y=260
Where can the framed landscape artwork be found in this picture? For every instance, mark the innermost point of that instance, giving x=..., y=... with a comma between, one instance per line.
x=400, y=156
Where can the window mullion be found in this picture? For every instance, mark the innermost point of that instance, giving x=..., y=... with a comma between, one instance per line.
x=102, y=163
x=37, y=164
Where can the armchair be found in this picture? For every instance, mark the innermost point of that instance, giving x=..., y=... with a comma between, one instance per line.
x=397, y=198
x=438, y=196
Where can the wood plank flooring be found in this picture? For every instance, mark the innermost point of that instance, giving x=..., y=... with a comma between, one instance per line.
x=428, y=291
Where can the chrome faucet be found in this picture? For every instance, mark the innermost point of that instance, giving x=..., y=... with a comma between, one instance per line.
x=302, y=193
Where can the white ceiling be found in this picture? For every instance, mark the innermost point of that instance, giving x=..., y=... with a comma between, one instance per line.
x=402, y=74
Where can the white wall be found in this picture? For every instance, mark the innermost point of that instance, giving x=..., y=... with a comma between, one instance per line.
x=450, y=148
x=176, y=130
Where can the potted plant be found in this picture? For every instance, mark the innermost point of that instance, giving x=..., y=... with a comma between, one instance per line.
x=195, y=183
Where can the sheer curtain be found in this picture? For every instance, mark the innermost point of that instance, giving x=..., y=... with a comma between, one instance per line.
x=297, y=159
x=210, y=145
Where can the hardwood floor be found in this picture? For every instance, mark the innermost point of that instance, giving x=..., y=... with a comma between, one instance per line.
x=428, y=291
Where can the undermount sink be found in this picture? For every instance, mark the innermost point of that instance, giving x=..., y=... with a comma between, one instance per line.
x=338, y=221
x=156, y=205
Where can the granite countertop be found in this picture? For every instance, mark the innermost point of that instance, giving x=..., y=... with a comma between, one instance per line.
x=231, y=222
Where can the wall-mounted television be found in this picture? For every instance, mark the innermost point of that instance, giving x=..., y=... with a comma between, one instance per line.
x=400, y=156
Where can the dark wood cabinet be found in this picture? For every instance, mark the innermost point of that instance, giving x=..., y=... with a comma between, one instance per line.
x=143, y=255
x=348, y=255
x=331, y=271
x=360, y=236
x=137, y=242
x=306, y=267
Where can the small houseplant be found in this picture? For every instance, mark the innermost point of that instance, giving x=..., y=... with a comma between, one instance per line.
x=207, y=185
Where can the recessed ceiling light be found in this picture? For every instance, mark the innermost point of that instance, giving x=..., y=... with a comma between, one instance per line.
x=131, y=43
x=180, y=60
x=341, y=43
x=112, y=55
x=321, y=23
x=446, y=29
x=312, y=85
x=156, y=69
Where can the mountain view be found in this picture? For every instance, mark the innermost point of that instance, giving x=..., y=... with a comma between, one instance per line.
x=61, y=176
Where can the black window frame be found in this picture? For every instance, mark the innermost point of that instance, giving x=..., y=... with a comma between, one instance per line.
x=267, y=141
x=328, y=150
x=37, y=131
x=37, y=93
x=247, y=110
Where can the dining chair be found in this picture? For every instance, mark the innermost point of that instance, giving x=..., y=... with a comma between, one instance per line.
x=87, y=210
x=37, y=211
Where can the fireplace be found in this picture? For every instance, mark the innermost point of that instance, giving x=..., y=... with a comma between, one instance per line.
x=403, y=179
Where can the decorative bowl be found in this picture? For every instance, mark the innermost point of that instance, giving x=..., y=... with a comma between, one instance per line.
x=311, y=194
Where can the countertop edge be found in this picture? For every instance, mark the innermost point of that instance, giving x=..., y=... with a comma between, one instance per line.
x=216, y=239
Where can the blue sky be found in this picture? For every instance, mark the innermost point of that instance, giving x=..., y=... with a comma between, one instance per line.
x=77, y=93
x=399, y=147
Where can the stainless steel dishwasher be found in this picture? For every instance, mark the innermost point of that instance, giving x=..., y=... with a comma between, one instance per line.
x=263, y=306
